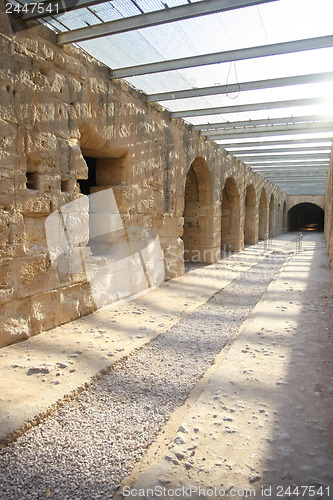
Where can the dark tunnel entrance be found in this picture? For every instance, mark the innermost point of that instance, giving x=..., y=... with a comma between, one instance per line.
x=306, y=217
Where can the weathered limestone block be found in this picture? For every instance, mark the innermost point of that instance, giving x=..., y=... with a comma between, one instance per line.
x=75, y=68
x=7, y=280
x=69, y=158
x=44, y=183
x=14, y=322
x=111, y=171
x=76, y=301
x=146, y=204
x=59, y=86
x=7, y=193
x=36, y=203
x=52, y=115
x=69, y=307
x=136, y=220
x=178, y=204
x=31, y=45
x=16, y=104
x=35, y=234
x=45, y=50
x=35, y=275
x=12, y=236
x=8, y=144
x=38, y=76
x=20, y=187
x=169, y=226
x=98, y=86
x=6, y=45
x=45, y=311
x=59, y=59
x=40, y=148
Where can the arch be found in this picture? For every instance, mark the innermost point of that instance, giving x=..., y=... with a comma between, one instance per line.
x=250, y=233
x=271, y=223
x=306, y=217
x=263, y=214
x=230, y=216
x=284, y=218
x=198, y=214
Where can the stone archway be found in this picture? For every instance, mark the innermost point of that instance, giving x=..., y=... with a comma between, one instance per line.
x=284, y=218
x=198, y=235
x=250, y=233
x=230, y=217
x=306, y=217
x=263, y=222
x=271, y=224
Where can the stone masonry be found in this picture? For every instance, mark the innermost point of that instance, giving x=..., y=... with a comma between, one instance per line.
x=67, y=130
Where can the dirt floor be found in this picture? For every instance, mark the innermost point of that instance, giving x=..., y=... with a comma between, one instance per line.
x=258, y=424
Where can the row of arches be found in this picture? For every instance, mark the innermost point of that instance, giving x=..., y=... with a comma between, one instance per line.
x=209, y=231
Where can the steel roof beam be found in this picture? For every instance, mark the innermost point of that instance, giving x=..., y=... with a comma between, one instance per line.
x=295, y=177
x=308, y=157
x=55, y=7
x=277, y=161
x=221, y=57
x=301, y=150
x=307, y=188
x=301, y=169
x=268, y=164
x=276, y=143
x=211, y=128
x=155, y=18
x=286, y=170
x=250, y=107
x=270, y=131
x=243, y=86
x=285, y=173
x=285, y=176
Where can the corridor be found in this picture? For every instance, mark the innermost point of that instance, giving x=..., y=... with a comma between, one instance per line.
x=212, y=393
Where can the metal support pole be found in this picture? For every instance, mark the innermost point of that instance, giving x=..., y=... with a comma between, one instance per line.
x=299, y=242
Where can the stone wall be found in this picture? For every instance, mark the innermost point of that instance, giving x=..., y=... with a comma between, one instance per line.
x=63, y=121
x=316, y=199
x=329, y=214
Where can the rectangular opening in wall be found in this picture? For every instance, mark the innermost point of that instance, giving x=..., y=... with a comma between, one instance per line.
x=32, y=180
x=86, y=184
x=65, y=186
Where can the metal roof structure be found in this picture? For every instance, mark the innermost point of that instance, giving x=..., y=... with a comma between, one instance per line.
x=255, y=76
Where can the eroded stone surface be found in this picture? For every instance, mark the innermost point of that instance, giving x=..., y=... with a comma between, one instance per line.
x=58, y=109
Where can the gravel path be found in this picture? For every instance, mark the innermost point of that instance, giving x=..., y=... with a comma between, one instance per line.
x=85, y=449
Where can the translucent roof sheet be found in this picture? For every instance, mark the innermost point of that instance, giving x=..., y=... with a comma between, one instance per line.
x=264, y=24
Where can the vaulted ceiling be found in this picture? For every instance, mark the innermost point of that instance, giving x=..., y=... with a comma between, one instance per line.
x=255, y=76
